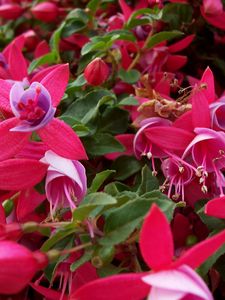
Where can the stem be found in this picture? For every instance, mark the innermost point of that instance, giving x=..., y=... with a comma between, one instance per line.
x=77, y=248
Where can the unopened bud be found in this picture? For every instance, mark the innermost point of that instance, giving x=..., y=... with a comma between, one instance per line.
x=96, y=72
x=10, y=11
x=45, y=11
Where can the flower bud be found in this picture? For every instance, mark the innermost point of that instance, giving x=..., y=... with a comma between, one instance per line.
x=96, y=72
x=10, y=11
x=18, y=266
x=45, y=11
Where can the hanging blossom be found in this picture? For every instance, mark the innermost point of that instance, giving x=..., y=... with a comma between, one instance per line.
x=66, y=181
x=168, y=278
x=34, y=110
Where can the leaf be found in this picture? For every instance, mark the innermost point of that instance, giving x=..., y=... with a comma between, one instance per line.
x=91, y=202
x=79, y=109
x=132, y=101
x=163, y=36
x=79, y=82
x=147, y=16
x=102, y=143
x=120, y=223
x=55, y=39
x=131, y=76
x=113, y=120
x=79, y=262
x=92, y=46
x=48, y=58
x=122, y=34
x=99, y=179
x=125, y=167
x=148, y=181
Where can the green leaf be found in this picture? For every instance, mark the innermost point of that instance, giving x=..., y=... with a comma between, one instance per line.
x=102, y=143
x=55, y=39
x=132, y=101
x=121, y=222
x=113, y=120
x=79, y=262
x=148, y=181
x=79, y=82
x=122, y=34
x=131, y=76
x=92, y=46
x=93, y=5
x=109, y=270
x=86, y=105
x=163, y=36
x=147, y=16
x=48, y=58
x=99, y=179
x=126, y=166
x=91, y=202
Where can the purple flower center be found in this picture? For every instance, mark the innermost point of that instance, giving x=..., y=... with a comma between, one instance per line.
x=31, y=106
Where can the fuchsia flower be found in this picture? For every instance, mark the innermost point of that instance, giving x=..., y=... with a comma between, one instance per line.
x=66, y=182
x=169, y=279
x=96, y=72
x=10, y=11
x=18, y=266
x=212, y=11
x=45, y=11
x=34, y=109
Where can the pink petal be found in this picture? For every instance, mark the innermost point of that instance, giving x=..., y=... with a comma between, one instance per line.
x=127, y=11
x=202, y=251
x=170, y=138
x=182, y=280
x=41, y=49
x=200, y=104
x=43, y=73
x=175, y=62
x=216, y=207
x=156, y=242
x=18, y=41
x=2, y=215
x=208, y=80
x=181, y=45
x=28, y=201
x=56, y=82
x=17, y=64
x=18, y=174
x=217, y=20
x=84, y=274
x=5, y=88
x=184, y=121
x=61, y=139
x=119, y=287
x=48, y=293
x=11, y=142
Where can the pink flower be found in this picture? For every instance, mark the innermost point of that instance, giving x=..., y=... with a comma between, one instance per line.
x=18, y=266
x=66, y=182
x=45, y=11
x=10, y=11
x=169, y=279
x=96, y=72
x=34, y=110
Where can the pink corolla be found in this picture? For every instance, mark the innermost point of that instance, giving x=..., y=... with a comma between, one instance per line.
x=212, y=11
x=66, y=182
x=169, y=279
x=207, y=150
x=217, y=110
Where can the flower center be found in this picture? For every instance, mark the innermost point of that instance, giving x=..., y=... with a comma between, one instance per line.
x=31, y=111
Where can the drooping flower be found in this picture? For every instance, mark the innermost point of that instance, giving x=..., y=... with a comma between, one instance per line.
x=18, y=266
x=169, y=279
x=66, y=182
x=34, y=110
